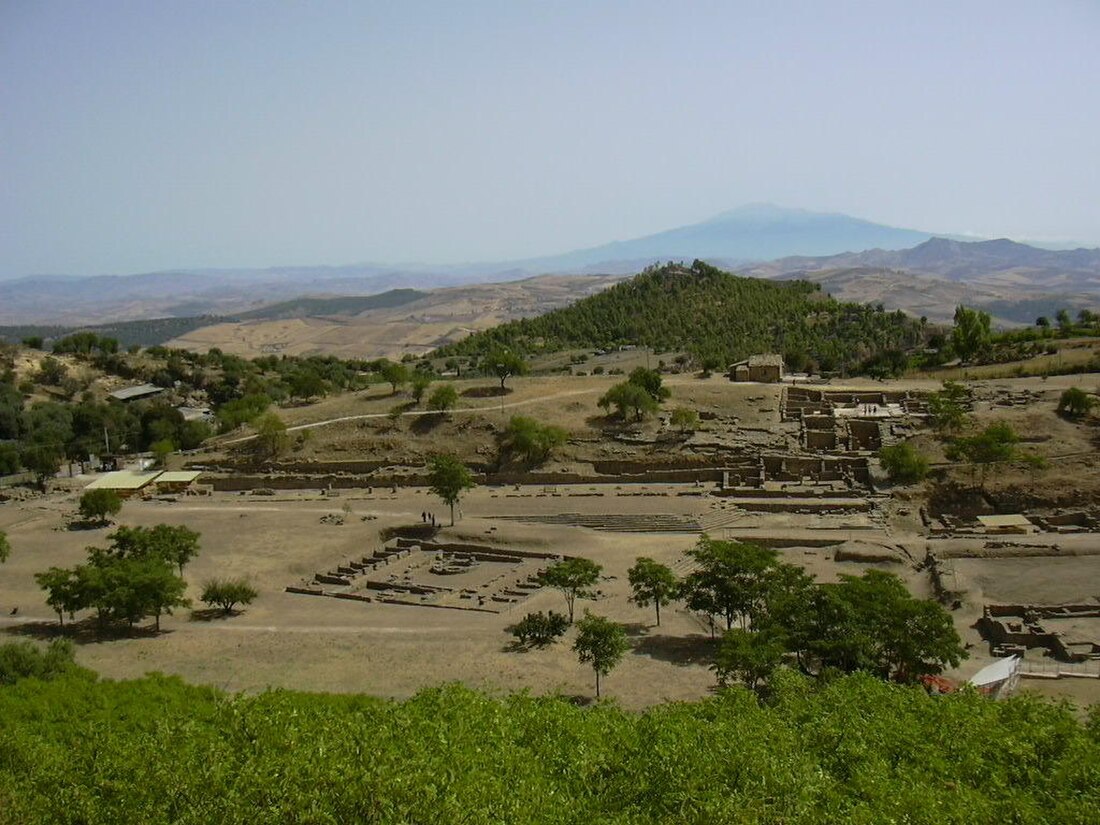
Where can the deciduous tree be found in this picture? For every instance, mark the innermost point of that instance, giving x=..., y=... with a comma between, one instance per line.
x=420, y=383
x=530, y=440
x=652, y=583
x=449, y=478
x=729, y=580
x=573, y=577
x=397, y=375
x=176, y=545
x=600, y=642
x=271, y=434
x=650, y=381
x=947, y=408
x=627, y=398
x=63, y=591
x=747, y=656
x=993, y=445
x=903, y=464
x=685, y=418
x=972, y=333
x=504, y=363
x=228, y=593
x=443, y=398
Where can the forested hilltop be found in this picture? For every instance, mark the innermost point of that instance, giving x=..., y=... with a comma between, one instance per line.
x=719, y=318
x=854, y=750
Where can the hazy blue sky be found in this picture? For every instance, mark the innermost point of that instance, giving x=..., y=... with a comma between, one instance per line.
x=145, y=135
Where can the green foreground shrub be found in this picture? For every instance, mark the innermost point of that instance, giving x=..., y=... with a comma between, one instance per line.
x=855, y=750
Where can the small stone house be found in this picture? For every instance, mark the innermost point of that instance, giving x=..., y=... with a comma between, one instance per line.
x=765, y=369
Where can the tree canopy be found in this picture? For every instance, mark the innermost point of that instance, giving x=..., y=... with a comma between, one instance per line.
x=601, y=643
x=227, y=593
x=99, y=505
x=530, y=440
x=443, y=398
x=972, y=333
x=503, y=363
x=628, y=398
x=573, y=577
x=903, y=463
x=992, y=445
x=652, y=583
x=449, y=478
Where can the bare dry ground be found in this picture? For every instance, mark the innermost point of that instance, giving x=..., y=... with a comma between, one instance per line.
x=318, y=643
x=443, y=317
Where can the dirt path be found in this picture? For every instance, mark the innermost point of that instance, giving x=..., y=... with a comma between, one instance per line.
x=537, y=400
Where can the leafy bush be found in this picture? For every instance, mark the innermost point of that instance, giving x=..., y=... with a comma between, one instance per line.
x=903, y=464
x=531, y=441
x=228, y=593
x=99, y=505
x=684, y=418
x=156, y=750
x=628, y=398
x=540, y=629
x=443, y=398
x=1075, y=402
x=25, y=660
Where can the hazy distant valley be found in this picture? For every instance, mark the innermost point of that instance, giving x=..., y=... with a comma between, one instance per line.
x=372, y=310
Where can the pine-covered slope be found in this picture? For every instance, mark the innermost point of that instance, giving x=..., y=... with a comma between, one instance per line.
x=716, y=316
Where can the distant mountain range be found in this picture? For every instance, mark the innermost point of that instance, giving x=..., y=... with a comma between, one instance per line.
x=792, y=242
x=1012, y=281
x=975, y=262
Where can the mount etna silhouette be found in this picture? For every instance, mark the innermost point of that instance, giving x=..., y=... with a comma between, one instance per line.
x=757, y=232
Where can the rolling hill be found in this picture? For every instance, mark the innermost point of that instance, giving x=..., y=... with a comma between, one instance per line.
x=393, y=328
x=714, y=314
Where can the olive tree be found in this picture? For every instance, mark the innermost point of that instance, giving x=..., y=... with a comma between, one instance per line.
x=99, y=505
